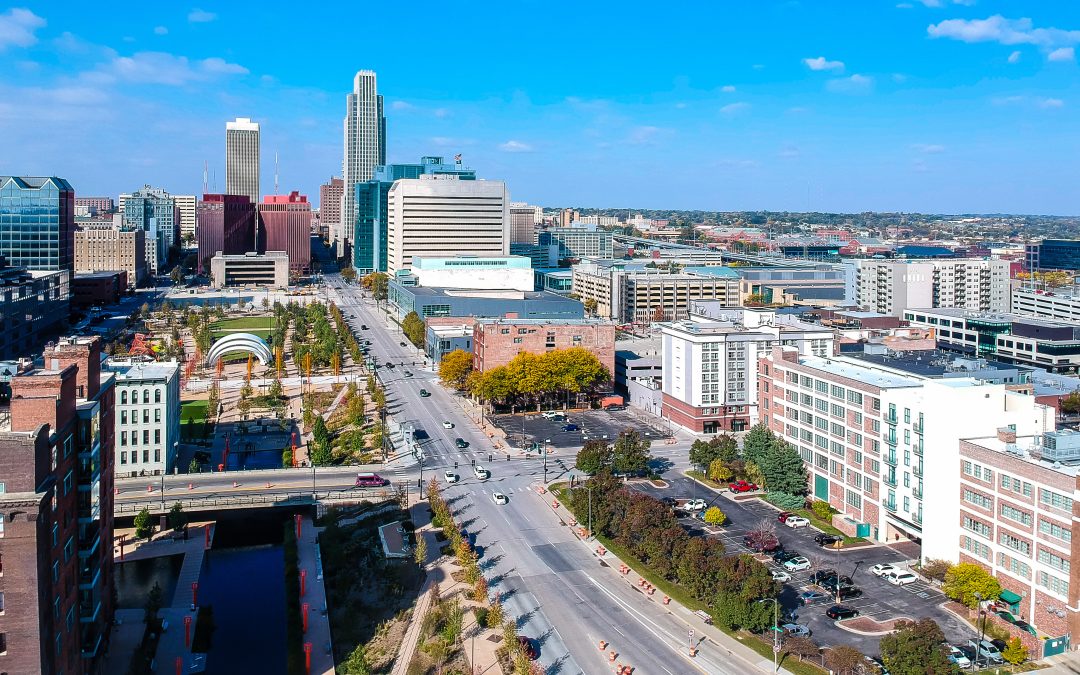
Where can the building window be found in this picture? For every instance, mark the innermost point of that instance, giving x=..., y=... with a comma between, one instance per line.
x=157, y=396
x=1054, y=530
x=1053, y=584
x=977, y=499
x=157, y=435
x=123, y=396
x=123, y=417
x=157, y=414
x=123, y=458
x=517, y=340
x=1053, y=560
x=1012, y=542
x=975, y=547
x=146, y=456
x=976, y=526
x=853, y=499
x=1014, y=566
x=145, y=395
x=1055, y=500
x=1015, y=514
x=157, y=454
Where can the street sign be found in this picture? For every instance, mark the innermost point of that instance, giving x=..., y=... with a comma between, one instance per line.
x=691, y=633
x=776, y=649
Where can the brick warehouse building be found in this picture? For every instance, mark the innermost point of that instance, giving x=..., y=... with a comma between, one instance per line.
x=497, y=341
x=56, y=531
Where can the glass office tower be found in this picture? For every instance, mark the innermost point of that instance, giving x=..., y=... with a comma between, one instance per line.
x=37, y=222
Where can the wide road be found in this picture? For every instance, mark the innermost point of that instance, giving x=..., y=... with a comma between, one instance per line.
x=559, y=593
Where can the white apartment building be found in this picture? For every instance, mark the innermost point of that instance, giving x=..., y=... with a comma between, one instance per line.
x=364, y=130
x=147, y=416
x=440, y=216
x=242, y=158
x=891, y=286
x=883, y=446
x=186, y=205
x=709, y=370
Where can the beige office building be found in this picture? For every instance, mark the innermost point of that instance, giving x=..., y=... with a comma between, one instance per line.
x=106, y=249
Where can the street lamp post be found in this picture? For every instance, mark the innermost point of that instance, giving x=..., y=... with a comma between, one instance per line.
x=776, y=632
x=313, y=497
x=589, y=488
x=163, y=491
x=547, y=446
x=982, y=627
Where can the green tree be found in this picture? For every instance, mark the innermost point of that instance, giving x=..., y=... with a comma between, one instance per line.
x=630, y=453
x=357, y=663
x=1015, y=652
x=593, y=456
x=744, y=587
x=144, y=524
x=719, y=471
x=782, y=467
x=455, y=368
x=964, y=580
x=287, y=458
x=714, y=516
x=936, y=569
x=916, y=648
x=704, y=453
x=348, y=274
x=420, y=550
x=153, y=603
x=823, y=510
x=321, y=453
x=376, y=283
x=177, y=518
x=194, y=466
x=590, y=305
x=753, y=473
x=177, y=275
x=757, y=442
x=319, y=432
x=276, y=390
x=413, y=327
x=844, y=660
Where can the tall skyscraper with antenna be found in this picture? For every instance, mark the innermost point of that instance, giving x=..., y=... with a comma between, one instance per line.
x=242, y=158
x=365, y=148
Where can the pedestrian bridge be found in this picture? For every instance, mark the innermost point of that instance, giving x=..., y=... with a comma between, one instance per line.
x=290, y=499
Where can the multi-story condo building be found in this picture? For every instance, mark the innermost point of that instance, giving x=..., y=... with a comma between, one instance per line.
x=891, y=286
x=32, y=305
x=372, y=219
x=97, y=204
x=710, y=382
x=1012, y=338
x=147, y=416
x=37, y=222
x=497, y=341
x=442, y=216
x=105, y=249
x=227, y=224
x=523, y=223
x=187, y=205
x=1016, y=495
x=56, y=511
x=242, y=157
x=365, y=149
x=1061, y=304
x=883, y=446
x=634, y=294
x=330, y=194
x=154, y=211
x=1053, y=254
x=578, y=242
x=285, y=225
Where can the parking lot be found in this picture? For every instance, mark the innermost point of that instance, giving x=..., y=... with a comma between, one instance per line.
x=880, y=600
x=605, y=424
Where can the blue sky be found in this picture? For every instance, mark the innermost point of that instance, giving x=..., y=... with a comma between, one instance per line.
x=924, y=105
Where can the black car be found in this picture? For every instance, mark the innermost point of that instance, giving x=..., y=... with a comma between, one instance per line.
x=821, y=576
x=827, y=539
x=783, y=556
x=461, y=443
x=402, y=344
x=840, y=612
x=847, y=593
x=832, y=583
x=670, y=502
x=363, y=326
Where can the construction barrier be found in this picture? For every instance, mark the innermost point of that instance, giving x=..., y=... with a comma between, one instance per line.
x=667, y=600
x=612, y=655
x=603, y=645
x=554, y=503
x=600, y=550
x=542, y=489
x=693, y=651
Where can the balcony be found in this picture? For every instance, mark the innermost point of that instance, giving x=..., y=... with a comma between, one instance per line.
x=889, y=480
x=891, y=506
x=917, y=470
x=890, y=417
x=91, y=643
x=917, y=427
x=918, y=448
x=917, y=518
x=890, y=459
x=917, y=493
x=890, y=438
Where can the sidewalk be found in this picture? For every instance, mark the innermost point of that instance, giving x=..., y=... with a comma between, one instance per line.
x=318, y=634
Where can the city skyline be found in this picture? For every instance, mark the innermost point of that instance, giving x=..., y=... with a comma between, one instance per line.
x=948, y=107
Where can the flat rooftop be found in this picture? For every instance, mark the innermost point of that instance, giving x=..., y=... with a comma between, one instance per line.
x=1022, y=450
x=149, y=370
x=1007, y=317
x=844, y=367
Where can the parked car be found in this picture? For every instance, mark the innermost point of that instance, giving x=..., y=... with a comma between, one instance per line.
x=985, y=650
x=481, y=473
x=901, y=578
x=796, y=521
x=827, y=539
x=782, y=577
x=527, y=647
x=499, y=498
x=883, y=569
x=761, y=542
x=742, y=486
x=847, y=593
x=363, y=326
x=570, y=427
x=822, y=575
x=550, y=414
x=796, y=629
x=693, y=505
x=782, y=556
x=876, y=666
x=447, y=425
x=810, y=597
x=669, y=502
x=797, y=564
x=461, y=443
x=402, y=344
x=424, y=393
x=841, y=612
x=783, y=515
x=833, y=583
x=959, y=657
x=450, y=477
x=408, y=373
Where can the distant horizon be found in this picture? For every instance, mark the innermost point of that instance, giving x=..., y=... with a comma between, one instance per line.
x=927, y=107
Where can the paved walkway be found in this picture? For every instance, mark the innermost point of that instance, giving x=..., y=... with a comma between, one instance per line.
x=194, y=552
x=318, y=633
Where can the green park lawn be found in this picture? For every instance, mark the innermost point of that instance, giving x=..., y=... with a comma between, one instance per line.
x=193, y=416
x=256, y=325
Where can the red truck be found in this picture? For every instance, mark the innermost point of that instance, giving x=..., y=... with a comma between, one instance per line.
x=742, y=486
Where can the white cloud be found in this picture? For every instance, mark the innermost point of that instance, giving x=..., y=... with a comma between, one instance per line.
x=728, y=88
x=165, y=68
x=200, y=16
x=1044, y=103
x=1015, y=57
x=441, y=113
x=1051, y=103
x=515, y=146
x=1062, y=54
x=899, y=78
x=735, y=108
x=161, y=30
x=942, y=3
x=929, y=148
x=17, y=28
x=821, y=63
x=856, y=84
x=1005, y=31
x=645, y=135
x=788, y=152
x=681, y=105
x=401, y=105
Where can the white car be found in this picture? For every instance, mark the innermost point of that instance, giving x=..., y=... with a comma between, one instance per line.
x=782, y=577
x=481, y=473
x=450, y=477
x=958, y=657
x=447, y=425
x=901, y=578
x=797, y=521
x=883, y=569
x=693, y=505
x=797, y=564
x=499, y=498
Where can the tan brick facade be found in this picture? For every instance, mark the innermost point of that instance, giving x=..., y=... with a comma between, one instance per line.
x=496, y=342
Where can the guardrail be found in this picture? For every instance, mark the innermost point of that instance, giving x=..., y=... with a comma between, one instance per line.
x=273, y=500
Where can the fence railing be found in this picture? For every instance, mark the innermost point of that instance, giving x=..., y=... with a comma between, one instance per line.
x=297, y=498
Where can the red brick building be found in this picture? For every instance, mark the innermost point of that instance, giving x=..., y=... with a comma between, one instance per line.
x=98, y=288
x=497, y=341
x=56, y=510
x=286, y=226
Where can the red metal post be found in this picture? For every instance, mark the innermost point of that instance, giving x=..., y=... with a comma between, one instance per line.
x=206, y=530
x=187, y=632
x=307, y=657
x=299, y=525
x=123, y=538
x=195, y=594
x=179, y=665
x=305, y=608
x=303, y=582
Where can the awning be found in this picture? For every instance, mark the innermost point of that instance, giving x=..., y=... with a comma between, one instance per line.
x=1009, y=598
